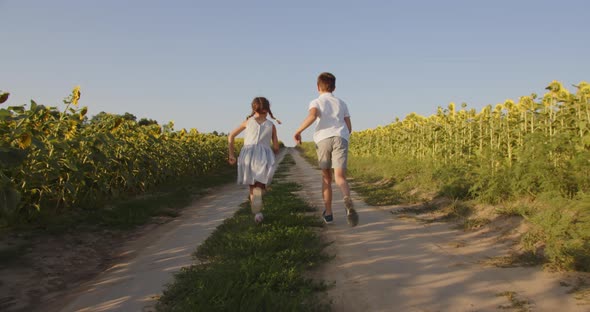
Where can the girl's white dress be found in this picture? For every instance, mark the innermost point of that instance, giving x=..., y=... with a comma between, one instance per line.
x=256, y=162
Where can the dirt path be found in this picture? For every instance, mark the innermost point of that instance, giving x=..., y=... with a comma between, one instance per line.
x=133, y=285
x=152, y=259
x=388, y=264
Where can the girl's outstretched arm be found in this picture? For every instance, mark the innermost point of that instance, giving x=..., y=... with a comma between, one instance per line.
x=275, y=140
x=230, y=139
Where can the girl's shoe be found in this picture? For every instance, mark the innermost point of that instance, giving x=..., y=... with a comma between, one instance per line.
x=258, y=218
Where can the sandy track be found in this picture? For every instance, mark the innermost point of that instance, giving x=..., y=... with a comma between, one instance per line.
x=132, y=285
x=388, y=264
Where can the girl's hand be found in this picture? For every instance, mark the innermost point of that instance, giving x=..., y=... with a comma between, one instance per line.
x=232, y=160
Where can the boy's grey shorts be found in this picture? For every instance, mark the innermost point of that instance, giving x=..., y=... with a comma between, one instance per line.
x=332, y=153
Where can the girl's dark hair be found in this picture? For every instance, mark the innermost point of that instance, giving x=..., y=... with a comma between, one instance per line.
x=327, y=82
x=260, y=105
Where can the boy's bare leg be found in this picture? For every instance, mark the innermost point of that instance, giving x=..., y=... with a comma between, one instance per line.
x=327, y=190
x=340, y=177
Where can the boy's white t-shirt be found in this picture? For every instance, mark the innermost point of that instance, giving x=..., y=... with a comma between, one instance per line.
x=331, y=113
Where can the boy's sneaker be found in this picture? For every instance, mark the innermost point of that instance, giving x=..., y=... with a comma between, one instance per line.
x=351, y=216
x=327, y=218
x=256, y=200
x=258, y=217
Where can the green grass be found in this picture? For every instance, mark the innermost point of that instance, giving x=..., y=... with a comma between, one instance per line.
x=378, y=193
x=564, y=230
x=308, y=151
x=249, y=267
x=390, y=182
x=523, y=208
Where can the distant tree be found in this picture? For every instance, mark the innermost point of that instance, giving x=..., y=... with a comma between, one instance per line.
x=147, y=122
x=98, y=117
x=102, y=115
x=129, y=116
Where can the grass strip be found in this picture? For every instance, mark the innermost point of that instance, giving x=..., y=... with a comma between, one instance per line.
x=249, y=267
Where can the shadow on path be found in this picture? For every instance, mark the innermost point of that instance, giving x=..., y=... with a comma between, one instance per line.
x=388, y=264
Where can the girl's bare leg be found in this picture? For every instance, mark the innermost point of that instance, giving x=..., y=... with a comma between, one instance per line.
x=256, y=190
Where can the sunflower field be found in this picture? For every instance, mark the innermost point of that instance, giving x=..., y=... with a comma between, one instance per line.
x=529, y=158
x=52, y=160
x=533, y=146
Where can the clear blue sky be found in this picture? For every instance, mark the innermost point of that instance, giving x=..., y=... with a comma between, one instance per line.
x=200, y=63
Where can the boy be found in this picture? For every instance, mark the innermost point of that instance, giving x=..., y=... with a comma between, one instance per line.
x=331, y=137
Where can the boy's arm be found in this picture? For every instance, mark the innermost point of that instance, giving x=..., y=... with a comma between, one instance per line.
x=313, y=114
x=230, y=139
x=348, y=124
x=275, y=140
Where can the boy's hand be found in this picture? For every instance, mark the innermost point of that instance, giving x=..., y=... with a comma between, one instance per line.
x=231, y=160
x=297, y=138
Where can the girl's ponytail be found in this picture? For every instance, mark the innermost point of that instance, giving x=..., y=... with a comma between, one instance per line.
x=273, y=117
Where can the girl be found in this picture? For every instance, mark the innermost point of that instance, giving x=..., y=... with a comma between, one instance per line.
x=256, y=161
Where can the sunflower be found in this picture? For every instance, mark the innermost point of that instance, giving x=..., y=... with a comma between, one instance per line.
x=76, y=95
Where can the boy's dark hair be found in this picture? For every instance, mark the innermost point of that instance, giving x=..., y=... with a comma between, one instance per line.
x=260, y=105
x=327, y=82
